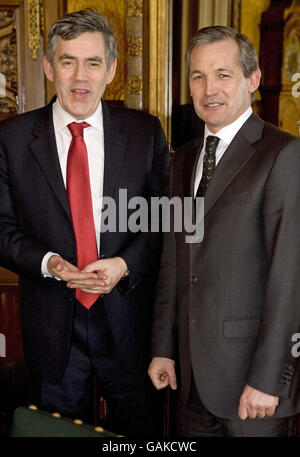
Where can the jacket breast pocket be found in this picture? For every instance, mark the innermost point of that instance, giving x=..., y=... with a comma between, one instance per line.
x=243, y=328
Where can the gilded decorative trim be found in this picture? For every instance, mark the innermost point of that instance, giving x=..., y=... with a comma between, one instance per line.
x=33, y=17
x=135, y=8
x=9, y=62
x=236, y=15
x=135, y=46
x=135, y=86
x=42, y=18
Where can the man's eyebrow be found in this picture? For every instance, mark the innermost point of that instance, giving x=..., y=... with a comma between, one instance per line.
x=96, y=59
x=66, y=56
x=225, y=69
x=89, y=59
x=218, y=70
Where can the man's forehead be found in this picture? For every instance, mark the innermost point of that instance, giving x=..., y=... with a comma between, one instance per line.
x=228, y=43
x=223, y=53
x=95, y=38
x=86, y=43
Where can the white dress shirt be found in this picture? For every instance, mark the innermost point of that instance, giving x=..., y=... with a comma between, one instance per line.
x=226, y=135
x=94, y=140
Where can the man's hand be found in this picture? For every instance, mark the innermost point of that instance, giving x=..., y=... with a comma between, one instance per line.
x=162, y=373
x=65, y=271
x=108, y=271
x=254, y=403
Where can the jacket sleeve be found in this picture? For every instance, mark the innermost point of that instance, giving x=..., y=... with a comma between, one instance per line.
x=273, y=365
x=19, y=252
x=142, y=254
x=164, y=318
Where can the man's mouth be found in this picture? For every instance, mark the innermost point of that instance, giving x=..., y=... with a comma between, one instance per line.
x=213, y=105
x=80, y=93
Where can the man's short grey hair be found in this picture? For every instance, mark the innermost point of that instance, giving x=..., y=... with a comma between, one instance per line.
x=212, y=34
x=74, y=24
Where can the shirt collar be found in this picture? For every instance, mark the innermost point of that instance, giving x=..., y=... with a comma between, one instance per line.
x=227, y=133
x=61, y=118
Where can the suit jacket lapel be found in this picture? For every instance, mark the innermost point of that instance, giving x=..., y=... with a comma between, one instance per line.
x=236, y=156
x=189, y=172
x=115, y=142
x=45, y=152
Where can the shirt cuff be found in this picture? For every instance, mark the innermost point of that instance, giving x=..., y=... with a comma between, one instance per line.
x=44, y=269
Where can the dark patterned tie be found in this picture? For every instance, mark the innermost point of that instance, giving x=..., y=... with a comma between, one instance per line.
x=209, y=164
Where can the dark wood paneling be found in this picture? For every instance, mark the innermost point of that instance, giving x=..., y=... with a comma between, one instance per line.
x=10, y=323
x=272, y=29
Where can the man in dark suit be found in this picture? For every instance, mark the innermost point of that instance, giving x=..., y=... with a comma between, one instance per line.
x=232, y=300
x=57, y=164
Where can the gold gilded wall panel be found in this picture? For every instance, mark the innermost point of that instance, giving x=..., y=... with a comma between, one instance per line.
x=251, y=11
x=135, y=8
x=134, y=83
x=8, y=62
x=289, y=103
x=34, y=26
x=250, y=19
x=115, y=11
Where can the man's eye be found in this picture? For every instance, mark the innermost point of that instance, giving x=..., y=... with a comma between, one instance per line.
x=197, y=77
x=224, y=76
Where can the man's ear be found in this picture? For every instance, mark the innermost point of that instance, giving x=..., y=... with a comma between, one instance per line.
x=254, y=81
x=111, y=71
x=48, y=70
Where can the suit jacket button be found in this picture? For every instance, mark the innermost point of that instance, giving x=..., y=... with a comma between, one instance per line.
x=194, y=279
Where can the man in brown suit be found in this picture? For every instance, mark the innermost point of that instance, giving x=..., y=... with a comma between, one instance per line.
x=230, y=304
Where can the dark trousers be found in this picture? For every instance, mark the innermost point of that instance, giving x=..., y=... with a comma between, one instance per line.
x=194, y=420
x=132, y=401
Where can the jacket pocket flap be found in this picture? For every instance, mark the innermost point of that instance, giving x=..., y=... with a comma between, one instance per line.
x=244, y=328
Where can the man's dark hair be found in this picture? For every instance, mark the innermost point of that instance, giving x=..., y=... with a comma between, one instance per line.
x=74, y=24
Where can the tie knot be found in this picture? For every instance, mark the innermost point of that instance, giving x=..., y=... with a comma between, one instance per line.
x=212, y=143
x=76, y=128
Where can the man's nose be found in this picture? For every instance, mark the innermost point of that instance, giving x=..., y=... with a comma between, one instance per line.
x=211, y=87
x=80, y=72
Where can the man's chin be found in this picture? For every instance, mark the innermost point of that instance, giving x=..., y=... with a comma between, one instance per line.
x=80, y=113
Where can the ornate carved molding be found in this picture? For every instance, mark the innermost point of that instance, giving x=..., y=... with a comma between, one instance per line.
x=34, y=20
x=135, y=8
x=135, y=86
x=134, y=82
x=135, y=46
x=8, y=62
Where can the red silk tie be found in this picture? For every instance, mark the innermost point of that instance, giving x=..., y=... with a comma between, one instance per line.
x=80, y=200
